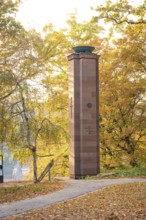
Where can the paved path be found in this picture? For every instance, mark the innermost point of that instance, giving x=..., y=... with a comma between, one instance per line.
x=74, y=189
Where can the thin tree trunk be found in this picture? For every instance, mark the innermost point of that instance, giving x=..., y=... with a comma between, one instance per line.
x=35, y=178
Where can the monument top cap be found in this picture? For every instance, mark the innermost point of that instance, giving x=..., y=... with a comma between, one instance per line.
x=83, y=49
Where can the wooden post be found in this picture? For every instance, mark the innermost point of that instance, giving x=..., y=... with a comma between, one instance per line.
x=1, y=170
x=49, y=173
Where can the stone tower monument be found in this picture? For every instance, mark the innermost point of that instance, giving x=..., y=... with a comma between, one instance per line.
x=83, y=112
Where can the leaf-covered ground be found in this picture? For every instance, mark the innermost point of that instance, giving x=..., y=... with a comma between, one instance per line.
x=17, y=192
x=124, y=202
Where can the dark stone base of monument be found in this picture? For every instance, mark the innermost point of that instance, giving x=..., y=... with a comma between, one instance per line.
x=78, y=177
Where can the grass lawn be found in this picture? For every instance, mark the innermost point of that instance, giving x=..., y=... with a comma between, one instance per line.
x=124, y=202
x=24, y=190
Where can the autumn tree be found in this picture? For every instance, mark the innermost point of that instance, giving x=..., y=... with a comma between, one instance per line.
x=23, y=59
x=33, y=132
x=122, y=12
x=123, y=84
x=11, y=34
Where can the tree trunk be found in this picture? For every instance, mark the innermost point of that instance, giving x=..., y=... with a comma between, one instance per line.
x=35, y=178
x=133, y=162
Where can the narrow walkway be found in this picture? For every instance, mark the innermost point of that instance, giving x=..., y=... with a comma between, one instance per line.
x=74, y=189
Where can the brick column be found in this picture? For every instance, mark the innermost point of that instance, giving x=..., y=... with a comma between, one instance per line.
x=83, y=114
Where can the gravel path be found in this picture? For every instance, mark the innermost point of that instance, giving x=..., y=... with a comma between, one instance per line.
x=74, y=189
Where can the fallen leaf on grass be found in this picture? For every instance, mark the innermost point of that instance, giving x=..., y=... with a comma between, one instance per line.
x=15, y=193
